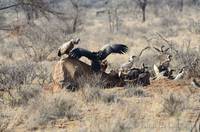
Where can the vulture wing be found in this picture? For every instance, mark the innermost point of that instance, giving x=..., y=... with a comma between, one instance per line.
x=158, y=73
x=156, y=70
x=180, y=75
x=113, y=48
x=77, y=53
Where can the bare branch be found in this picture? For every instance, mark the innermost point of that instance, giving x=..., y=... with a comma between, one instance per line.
x=195, y=123
x=10, y=6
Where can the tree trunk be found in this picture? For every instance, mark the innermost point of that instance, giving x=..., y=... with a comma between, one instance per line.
x=143, y=14
x=116, y=20
x=143, y=5
x=110, y=21
x=75, y=23
x=195, y=2
x=181, y=5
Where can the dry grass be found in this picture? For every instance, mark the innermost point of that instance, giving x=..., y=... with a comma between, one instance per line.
x=126, y=119
x=92, y=108
x=4, y=121
x=22, y=96
x=134, y=91
x=50, y=109
x=173, y=105
x=95, y=94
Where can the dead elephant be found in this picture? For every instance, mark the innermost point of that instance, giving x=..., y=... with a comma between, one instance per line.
x=68, y=72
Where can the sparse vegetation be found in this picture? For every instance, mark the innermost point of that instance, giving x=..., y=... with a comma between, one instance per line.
x=173, y=105
x=15, y=75
x=32, y=30
x=91, y=94
x=134, y=91
x=50, y=109
x=194, y=26
x=22, y=96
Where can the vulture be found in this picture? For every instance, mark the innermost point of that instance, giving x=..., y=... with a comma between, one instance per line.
x=134, y=73
x=97, y=57
x=180, y=75
x=163, y=69
x=144, y=78
x=161, y=72
x=67, y=47
x=194, y=83
x=127, y=66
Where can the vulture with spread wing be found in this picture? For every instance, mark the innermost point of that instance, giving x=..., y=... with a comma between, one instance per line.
x=97, y=57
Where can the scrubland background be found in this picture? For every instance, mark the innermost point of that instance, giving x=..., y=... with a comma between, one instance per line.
x=32, y=30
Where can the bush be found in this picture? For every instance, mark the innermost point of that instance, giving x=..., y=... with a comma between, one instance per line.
x=50, y=109
x=92, y=81
x=194, y=26
x=188, y=57
x=23, y=95
x=4, y=121
x=92, y=90
x=95, y=94
x=173, y=105
x=124, y=121
x=15, y=75
x=134, y=91
x=23, y=81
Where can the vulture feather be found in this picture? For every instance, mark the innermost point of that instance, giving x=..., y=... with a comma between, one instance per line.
x=98, y=57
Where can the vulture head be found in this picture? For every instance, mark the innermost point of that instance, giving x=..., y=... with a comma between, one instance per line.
x=104, y=65
x=75, y=41
x=132, y=58
x=169, y=57
x=67, y=47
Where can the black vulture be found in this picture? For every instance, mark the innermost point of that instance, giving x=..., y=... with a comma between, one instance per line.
x=99, y=56
x=144, y=78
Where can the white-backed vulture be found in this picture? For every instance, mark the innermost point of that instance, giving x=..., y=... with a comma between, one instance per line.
x=180, y=75
x=127, y=66
x=67, y=47
x=194, y=83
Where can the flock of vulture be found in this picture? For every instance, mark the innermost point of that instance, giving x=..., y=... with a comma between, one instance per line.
x=126, y=72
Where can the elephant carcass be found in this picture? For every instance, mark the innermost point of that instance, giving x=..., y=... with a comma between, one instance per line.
x=69, y=71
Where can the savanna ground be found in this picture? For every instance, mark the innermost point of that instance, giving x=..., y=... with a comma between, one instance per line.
x=28, y=52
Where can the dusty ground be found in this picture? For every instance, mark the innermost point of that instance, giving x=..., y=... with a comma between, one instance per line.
x=142, y=109
x=129, y=111
x=132, y=112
